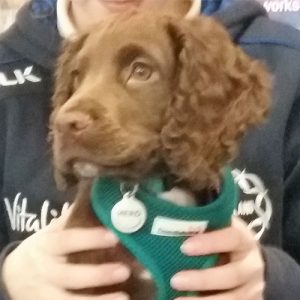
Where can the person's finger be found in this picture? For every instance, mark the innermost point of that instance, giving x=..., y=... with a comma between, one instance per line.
x=73, y=276
x=77, y=240
x=224, y=277
x=60, y=222
x=247, y=292
x=235, y=238
x=52, y=292
x=112, y=296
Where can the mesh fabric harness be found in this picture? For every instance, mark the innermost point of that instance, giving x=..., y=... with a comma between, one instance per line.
x=161, y=255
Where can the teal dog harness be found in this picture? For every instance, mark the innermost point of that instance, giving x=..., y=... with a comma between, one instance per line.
x=153, y=229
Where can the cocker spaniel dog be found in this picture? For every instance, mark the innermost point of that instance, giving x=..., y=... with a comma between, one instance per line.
x=146, y=95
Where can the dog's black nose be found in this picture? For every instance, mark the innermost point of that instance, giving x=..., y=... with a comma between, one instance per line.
x=72, y=122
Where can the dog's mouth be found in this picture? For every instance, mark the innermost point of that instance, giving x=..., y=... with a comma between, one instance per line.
x=74, y=164
x=129, y=170
x=83, y=169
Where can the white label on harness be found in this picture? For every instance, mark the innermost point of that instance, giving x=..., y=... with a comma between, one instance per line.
x=173, y=227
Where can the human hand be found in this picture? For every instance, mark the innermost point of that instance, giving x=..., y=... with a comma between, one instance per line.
x=38, y=268
x=242, y=277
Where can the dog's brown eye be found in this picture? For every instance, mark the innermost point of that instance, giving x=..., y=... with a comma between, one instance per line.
x=140, y=71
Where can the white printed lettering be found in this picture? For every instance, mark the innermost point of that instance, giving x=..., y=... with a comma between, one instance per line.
x=282, y=6
x=260, y=207
x=21, y=220
x=20, y=77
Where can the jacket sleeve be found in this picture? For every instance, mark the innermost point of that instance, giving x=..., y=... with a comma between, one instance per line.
x=282, y=275
x=3, y=232
x=5, y=246
x=291, y=230
x=283, y=266
x=12, y=246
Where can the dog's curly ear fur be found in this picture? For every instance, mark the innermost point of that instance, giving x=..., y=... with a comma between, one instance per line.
x=64, y=76
x=220, y=93
x=63, y=90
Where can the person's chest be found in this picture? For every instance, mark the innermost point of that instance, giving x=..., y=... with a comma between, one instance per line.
x=30, y=199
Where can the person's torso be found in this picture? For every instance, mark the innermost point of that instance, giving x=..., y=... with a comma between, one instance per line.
x=29, y=198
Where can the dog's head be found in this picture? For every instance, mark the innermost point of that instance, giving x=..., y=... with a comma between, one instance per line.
x=142, y=94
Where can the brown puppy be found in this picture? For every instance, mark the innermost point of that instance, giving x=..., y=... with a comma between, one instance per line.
x=149, y=94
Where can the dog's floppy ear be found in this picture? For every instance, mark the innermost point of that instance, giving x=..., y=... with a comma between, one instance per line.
x=64, y=75
x=63, y=90
x=220, y=92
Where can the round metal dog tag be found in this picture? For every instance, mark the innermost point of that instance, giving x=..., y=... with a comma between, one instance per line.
x=129, y=215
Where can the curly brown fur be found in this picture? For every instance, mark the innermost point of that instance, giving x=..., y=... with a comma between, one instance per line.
x=185, y=120
x=221, y=92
